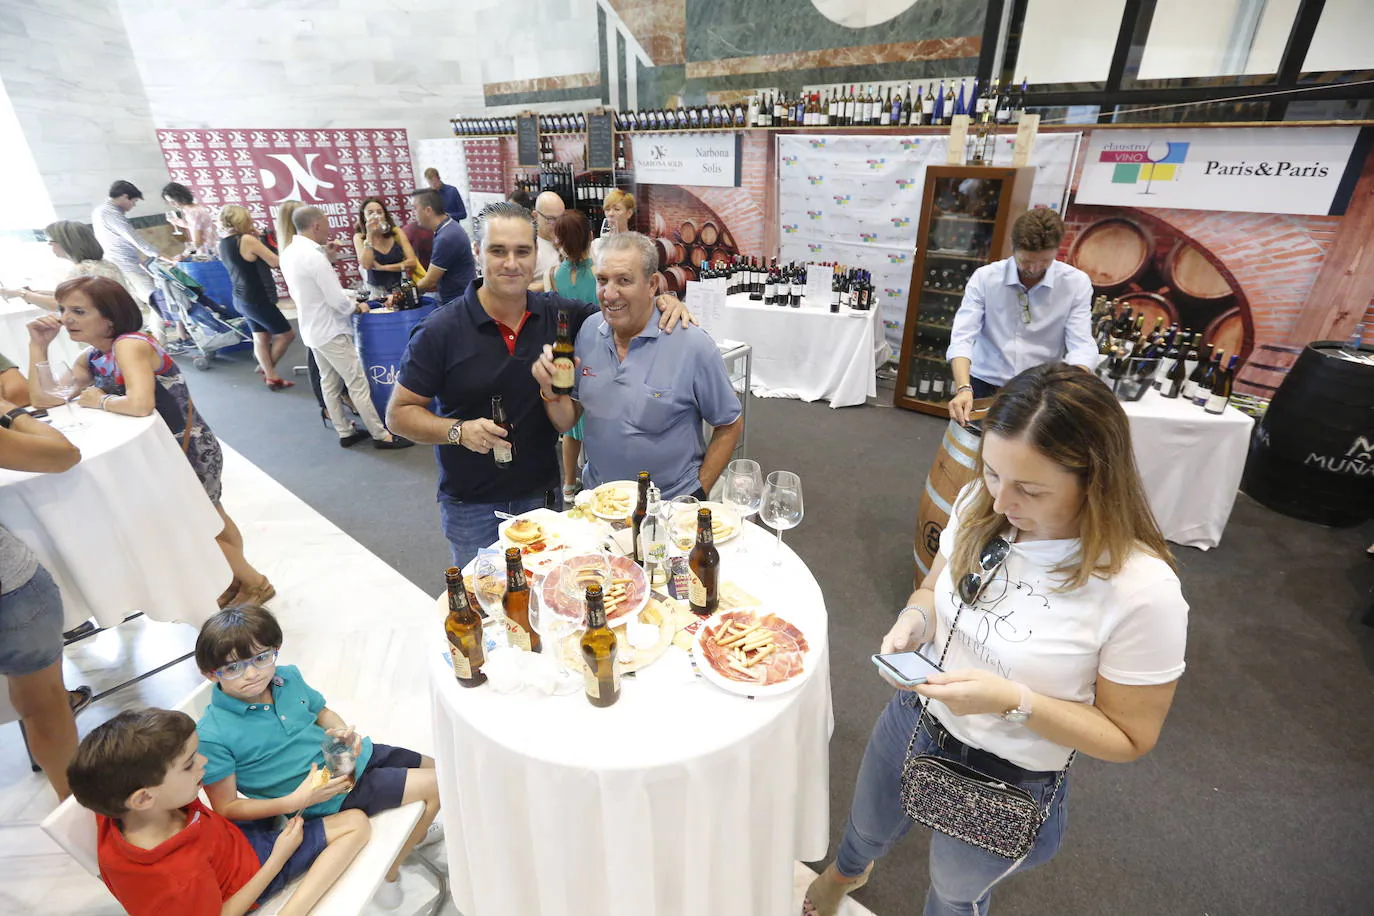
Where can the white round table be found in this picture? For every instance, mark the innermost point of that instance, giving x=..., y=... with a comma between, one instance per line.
x=14, y=335
x=128, y=529
x=680, y=799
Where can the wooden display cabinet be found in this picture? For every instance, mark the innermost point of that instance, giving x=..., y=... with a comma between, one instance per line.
x=966, y=217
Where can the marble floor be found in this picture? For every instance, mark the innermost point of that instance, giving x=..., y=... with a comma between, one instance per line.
x=350, y=621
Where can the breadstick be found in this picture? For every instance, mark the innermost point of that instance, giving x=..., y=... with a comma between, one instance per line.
x=760, y=656
x=739, y=637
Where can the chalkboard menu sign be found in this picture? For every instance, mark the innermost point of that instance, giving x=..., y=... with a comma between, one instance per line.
x=527, y=141
x=601, y=141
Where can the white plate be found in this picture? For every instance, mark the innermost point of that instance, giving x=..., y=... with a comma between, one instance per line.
x=552, y=594
x=627, y=486
x=744, y=688
x=685, y=524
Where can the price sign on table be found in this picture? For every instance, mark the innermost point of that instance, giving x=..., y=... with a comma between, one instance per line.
x=818, y=281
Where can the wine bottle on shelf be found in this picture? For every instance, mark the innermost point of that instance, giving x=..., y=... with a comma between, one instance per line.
x=885, y=115
x=503, y=452
x=1211, y=370
x=923, y=383
x=515, y=605
x=463, y=627
x=1220, y=395
x=703, y=565
x=601, y=680
x=903, y=111
x=928, y=105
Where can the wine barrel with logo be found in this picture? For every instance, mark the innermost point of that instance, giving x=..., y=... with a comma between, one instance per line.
x=953, y=468
x=687, y=232
x=1112, y=252
x=669, y=252
x=1152, y=306
x=709, y=233
x=1191, y=275
x=1227, y=331
x=1312, y=455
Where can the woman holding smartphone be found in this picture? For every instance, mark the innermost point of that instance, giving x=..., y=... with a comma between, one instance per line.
x=1071, y=628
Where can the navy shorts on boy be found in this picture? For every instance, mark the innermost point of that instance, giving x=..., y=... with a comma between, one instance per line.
x=383, y=784
x=262, y=836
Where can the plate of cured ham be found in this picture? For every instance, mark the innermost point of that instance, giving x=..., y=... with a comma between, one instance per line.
x=751, y=653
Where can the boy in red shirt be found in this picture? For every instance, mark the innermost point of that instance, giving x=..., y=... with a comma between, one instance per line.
x=162, y=850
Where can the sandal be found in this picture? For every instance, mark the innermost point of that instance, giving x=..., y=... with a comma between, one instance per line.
x=79, y=698
x=259, y=594
x=827, y=892
x=279, y=384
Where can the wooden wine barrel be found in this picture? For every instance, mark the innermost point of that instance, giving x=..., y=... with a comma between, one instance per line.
x=669, y=252
x=720, y=257
x=698, y=255
x=1190, y=274
x=674, y=279
x=726, y=239
x=1152, y=306
x=709, y=233
x=1227, y=331
x=954, y=467
x=1312, y=455
x=1112, y=252
x=687, y=232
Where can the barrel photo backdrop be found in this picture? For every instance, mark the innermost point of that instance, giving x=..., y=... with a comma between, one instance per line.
x=689, y=234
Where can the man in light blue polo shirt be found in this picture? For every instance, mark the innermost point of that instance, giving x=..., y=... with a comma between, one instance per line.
x=644, y=395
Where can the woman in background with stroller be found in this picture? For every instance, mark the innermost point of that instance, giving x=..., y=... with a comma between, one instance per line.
x=248, y=260
x=124, y=371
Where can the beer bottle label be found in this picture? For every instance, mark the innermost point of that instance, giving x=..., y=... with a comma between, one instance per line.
x=517, y=636
x=461, y=666
x=563, y=372
x=696, y=590
x=502, y=452
x=593, y=684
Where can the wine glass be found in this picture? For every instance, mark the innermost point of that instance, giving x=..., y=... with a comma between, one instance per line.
x=557, y=631
x=57, y=379
x=782, y=506
x=743, y=490
x=679, y=529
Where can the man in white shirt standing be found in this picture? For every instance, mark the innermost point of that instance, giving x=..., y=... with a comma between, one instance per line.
x=548, y=207
x=125, y=250
x=325, y=310
x=1020, y=312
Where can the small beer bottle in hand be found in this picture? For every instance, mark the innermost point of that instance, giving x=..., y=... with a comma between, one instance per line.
x=464, y=630
x=563, y=366
x=703, y=565
x=503, y=451
x=516, y=605
x=601, y=679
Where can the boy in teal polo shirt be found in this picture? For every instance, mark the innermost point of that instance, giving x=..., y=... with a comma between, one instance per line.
x=264, y=731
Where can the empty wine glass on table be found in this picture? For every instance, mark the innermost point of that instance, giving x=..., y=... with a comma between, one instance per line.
x=57, y=379
x=557, y=631
x=782, y=506
x=743, y=491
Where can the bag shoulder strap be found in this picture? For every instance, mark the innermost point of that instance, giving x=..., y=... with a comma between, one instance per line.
x=186, y=431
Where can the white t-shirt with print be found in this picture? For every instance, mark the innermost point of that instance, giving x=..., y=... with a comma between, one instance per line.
x=1130, y=629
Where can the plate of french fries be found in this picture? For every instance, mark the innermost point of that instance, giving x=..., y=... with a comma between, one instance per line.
x=624, y=587
x=725, y=524
x=614, y=500
x=752, y=653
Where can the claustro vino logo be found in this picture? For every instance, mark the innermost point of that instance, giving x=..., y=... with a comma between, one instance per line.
x=1137, y=163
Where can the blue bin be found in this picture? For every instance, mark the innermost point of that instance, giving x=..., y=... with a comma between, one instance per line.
x=382, y=340
x=213, y=277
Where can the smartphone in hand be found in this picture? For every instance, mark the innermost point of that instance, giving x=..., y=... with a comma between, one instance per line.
x=906, y=668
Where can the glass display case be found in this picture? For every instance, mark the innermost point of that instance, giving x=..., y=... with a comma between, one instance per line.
x=966, y=217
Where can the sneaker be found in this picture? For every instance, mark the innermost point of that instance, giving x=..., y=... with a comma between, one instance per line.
x=435, y=834
x=389, y=896
x=353, y=438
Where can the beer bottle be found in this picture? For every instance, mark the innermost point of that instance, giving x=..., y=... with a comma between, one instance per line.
x=601, y=680
x=516, y=605
x=464, y=630
x=703, y=564
x=563, y=372
x=641, y=511
x=503, y=451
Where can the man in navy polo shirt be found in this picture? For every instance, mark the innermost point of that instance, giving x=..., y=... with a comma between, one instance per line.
x=642, y=394
x=451, y=265
x=453, y=201
x=485, y=344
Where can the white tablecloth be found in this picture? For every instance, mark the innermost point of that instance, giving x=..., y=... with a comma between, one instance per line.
x=128, y=529
x=14, y=335
x=806, y=353
x=679, y=800
x=1191, y=463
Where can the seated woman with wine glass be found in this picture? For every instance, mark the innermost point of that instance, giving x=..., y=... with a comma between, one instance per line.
x=383, y=250
x=124, y=371
x=1055, y=624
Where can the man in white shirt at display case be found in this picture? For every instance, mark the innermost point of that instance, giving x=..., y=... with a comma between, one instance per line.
x=1020, y=312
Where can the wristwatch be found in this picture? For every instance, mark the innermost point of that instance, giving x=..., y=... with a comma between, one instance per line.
x=1022, y=712
x=8, y=419
x=455, y=433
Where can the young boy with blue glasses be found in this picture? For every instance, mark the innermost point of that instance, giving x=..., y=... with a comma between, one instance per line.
x=263, y=736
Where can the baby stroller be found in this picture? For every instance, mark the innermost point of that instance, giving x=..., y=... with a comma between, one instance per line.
x=209, y=327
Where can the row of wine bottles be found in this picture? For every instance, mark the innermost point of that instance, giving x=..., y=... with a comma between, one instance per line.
x=1174, y=361
x=785, y=284
x=929, y=378
x=936, y=103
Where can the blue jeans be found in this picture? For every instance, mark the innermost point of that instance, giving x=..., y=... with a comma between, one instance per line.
x=471, y=526
x=961, y=876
